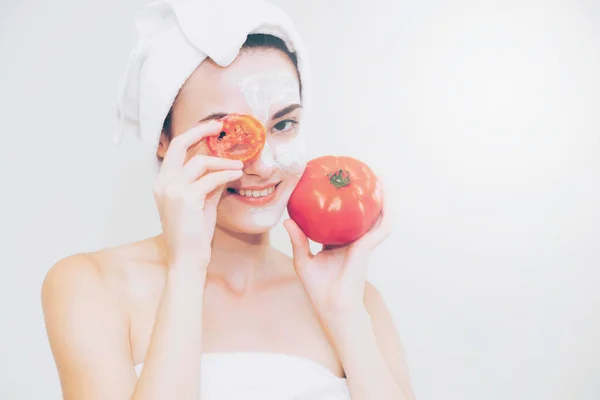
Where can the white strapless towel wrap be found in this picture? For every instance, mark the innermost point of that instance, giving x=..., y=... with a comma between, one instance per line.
x=267, y=376
x=174, y=37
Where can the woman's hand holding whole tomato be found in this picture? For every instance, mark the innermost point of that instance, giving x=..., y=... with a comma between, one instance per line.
x=337, y=200
x=339, y=203
x=187, y=194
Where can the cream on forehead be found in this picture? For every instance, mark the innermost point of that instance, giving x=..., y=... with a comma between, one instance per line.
x=263, y=90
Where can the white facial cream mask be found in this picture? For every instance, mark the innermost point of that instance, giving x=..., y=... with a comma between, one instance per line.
x=290, y=156
x=262, y=92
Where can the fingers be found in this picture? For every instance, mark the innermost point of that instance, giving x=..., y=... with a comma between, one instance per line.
x=380, y=230
x=178, y=147
x=300, y=246
x=214, y=180
x=200, y=164
x=386, y=214
x=328, y=247
x=378, y=234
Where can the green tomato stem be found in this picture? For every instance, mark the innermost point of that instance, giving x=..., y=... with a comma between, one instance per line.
x=339, y=179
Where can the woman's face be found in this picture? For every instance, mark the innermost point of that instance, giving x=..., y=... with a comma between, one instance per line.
x=264, y=83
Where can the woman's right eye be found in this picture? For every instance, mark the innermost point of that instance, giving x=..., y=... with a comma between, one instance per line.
x=285, y=126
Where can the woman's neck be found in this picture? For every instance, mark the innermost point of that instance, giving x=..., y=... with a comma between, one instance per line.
x=237, y=259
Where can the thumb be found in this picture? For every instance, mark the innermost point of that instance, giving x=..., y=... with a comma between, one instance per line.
x=300, y=246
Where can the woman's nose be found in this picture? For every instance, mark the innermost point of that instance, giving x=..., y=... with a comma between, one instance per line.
x=264, y=166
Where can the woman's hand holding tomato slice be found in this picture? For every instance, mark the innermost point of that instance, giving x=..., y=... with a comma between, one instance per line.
x=187, y=194
x=334, y=279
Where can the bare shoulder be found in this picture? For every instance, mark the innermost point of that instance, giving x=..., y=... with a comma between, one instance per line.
x=76, y=284
x=77, y=301
x=69, y=276
x=87, y=313
x=106, y=273
x=78, y=273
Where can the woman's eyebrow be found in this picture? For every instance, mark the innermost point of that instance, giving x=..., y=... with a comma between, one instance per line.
x=278, y=114
x=285, y=111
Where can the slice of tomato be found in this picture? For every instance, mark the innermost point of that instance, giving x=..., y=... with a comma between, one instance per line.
x=243, y=138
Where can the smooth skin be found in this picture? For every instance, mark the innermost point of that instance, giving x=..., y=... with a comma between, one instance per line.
x=210, y=282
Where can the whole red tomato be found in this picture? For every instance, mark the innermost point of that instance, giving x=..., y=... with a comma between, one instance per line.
x=337, y=200
x=243, y=138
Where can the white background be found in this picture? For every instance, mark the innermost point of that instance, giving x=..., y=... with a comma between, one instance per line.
x=484, y=118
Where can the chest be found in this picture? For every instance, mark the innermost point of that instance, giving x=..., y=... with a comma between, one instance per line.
x=278, y=319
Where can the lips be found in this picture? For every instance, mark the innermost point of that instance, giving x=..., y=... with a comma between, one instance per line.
x=254, y=192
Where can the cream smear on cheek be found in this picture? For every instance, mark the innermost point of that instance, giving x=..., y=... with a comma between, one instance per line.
x=262, y=92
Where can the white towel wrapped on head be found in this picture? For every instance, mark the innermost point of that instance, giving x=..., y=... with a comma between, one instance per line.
x=174, y=38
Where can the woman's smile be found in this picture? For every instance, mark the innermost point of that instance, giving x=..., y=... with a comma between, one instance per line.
x=255, y=195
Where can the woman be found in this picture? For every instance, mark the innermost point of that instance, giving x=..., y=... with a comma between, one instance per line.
x=208, y=308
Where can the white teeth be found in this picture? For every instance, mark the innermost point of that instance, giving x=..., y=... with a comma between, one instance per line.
x=256, y=193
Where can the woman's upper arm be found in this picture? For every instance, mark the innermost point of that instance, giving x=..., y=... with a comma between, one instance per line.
x=387, y=338
x=87, y=331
